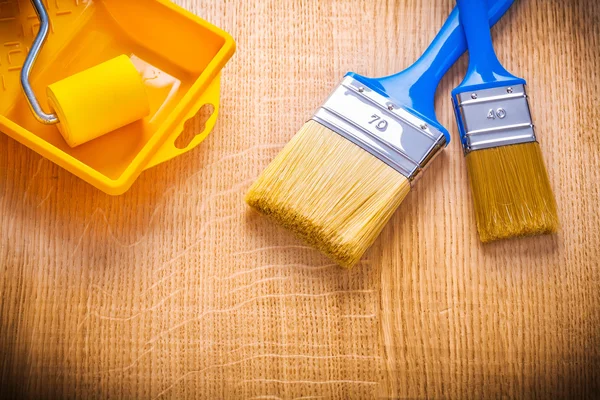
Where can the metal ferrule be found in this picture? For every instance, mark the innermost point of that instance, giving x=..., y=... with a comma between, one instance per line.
x=377, y=125
x=494, y=117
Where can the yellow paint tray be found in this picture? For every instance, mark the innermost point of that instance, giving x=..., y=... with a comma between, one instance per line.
x=179, y=55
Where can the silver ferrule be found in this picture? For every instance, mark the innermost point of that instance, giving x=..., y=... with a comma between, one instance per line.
x=494, y=117
x=377, y=125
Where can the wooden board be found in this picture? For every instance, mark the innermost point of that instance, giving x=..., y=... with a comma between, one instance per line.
x=176, y=290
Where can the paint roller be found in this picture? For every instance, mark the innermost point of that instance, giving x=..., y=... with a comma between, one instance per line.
x=90, y=103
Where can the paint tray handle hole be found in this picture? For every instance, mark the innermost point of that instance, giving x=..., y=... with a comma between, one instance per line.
x=194, y=126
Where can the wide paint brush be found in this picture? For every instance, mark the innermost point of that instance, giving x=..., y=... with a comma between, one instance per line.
x=340, y=179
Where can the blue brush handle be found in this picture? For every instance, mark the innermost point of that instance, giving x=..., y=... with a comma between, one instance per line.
x=485, y=70
x=415, y=87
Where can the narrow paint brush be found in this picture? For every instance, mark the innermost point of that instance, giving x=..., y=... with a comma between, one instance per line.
x=510, y=186
x=340, y=179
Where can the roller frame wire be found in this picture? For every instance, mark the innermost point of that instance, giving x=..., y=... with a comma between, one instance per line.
x=36, y=47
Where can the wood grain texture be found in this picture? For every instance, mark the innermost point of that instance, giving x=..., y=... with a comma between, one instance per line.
x=176, y=290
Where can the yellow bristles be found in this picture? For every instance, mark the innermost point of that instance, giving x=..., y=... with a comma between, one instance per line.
x=330, y=192
x=511, y=192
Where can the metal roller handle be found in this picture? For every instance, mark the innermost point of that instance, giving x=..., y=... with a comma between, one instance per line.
x=36, y=47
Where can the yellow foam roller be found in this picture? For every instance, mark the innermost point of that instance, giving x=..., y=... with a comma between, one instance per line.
x=98, y=100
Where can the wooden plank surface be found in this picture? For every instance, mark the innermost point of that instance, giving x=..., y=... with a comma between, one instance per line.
x=176, y=290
